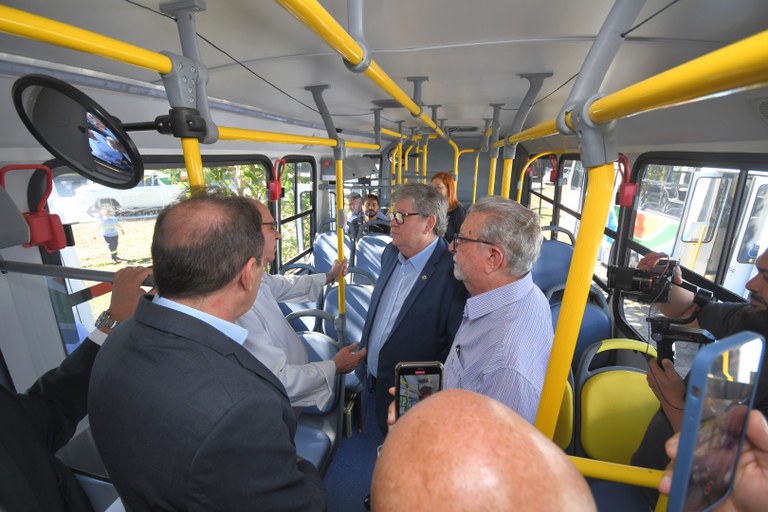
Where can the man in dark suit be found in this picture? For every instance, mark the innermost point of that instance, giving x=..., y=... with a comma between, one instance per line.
x=36, y=424
x=183, y=416
x=417, y=303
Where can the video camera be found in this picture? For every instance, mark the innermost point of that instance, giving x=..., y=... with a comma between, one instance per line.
x=645, y=286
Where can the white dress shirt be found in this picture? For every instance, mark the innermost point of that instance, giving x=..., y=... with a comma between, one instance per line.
x=272, y=340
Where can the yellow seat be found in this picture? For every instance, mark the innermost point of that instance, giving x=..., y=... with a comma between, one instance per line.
x=563, y=436
x=614, y=404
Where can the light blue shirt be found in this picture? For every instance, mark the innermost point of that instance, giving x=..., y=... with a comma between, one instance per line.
x=230, y=330
x=502, y=347
x=393, y=296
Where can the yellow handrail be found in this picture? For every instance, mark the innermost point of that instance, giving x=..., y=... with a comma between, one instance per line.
x=739, y=65
x=340, y=230
x=632, y=475
x=506, y=177
x=228, y=133
x=525, y=168
x=596, y=206
x=50, y=31
x=474, y=186
x=492, y=175
x=314, y=16
x=194, y=163
x=392, y=133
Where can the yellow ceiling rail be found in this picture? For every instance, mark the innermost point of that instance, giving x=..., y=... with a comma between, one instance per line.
x=392, y=133
x=737, y=66
x=36, y=27
x=456, y=154
x=228, y=133
x=741, y=64
x=361, y=145
x=314, y=16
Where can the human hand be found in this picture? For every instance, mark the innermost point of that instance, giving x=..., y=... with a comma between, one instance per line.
x=391, y=416
x=347, y=359
x=669, y=388
x=338, y=270
x=750, y=485
x=650, y=260
x=126, y=291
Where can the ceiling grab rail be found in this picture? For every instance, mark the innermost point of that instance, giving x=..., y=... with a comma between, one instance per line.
x=494, y=150
x=320, y=21
x=535, y=82
x=339, y=152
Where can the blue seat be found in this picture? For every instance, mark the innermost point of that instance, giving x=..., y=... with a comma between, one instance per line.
x=596, y=325
x=325, y=250
x=368, y=250
x=320, y=429
x=551, y=267
x=357, y=303
x=301, y=323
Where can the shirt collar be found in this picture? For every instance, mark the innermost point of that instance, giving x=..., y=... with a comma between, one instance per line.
x=232, y=331
x=480, y=305
x=419, y=260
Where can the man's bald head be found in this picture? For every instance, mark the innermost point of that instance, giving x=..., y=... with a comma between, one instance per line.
x=459, y=450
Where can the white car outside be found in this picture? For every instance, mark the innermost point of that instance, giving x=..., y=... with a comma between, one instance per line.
x=153, y=192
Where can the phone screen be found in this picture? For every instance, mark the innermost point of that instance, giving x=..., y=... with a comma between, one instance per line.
x=415, y=382
x=717, y=406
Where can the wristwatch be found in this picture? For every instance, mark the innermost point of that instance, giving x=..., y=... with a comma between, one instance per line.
x=105, y=320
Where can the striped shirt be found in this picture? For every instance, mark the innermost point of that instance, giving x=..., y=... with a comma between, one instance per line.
x=502, y=347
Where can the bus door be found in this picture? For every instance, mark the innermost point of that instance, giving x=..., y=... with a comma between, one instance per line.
x=752, y=235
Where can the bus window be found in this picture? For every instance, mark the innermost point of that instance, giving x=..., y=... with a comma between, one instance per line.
x=113, y=228
x=542, y=190
x=296, y=210
x=571, y=194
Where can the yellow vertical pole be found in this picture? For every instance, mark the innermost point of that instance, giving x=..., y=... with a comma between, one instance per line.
x=194, y=162
x=424, y=165
x=456, y=154
x=492, y=176
x=340, y=228
x=506, y=178
x=474, y=185
x=596, y=205
x=417, y=163
x=400, y=163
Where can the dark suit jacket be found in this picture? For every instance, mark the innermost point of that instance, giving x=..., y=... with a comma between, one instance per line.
x=186, y=419
x=427, y=322
x=33, y=427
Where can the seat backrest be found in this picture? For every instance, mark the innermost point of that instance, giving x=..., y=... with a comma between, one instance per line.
x=357, y=302
x=614, y=404
x=301, y=323
x=563, y=436
x=551, y=267
x=368, y=251
x=325, y=250
x=596, y=325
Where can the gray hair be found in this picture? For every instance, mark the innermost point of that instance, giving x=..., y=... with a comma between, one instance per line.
x=513, y=228
x=354, y=195
x=427, y=200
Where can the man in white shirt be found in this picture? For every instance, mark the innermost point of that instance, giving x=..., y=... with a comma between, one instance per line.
x=274, y=342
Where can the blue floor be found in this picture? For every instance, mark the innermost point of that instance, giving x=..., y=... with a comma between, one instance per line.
x=348, y=479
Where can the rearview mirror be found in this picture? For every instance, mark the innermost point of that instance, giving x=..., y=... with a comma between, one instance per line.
x=77, y=131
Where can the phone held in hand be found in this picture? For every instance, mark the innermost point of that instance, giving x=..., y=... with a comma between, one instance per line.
x=415, y=381
x=721, y=390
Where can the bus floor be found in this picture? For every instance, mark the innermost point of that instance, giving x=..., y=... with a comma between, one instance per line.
x=348, y=480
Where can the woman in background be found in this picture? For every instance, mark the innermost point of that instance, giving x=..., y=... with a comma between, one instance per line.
x=444, y=182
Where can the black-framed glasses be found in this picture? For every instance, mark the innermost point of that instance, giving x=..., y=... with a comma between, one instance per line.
x=399, y=217
x=457, y=237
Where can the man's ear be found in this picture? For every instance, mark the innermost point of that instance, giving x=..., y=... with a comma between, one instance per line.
x=247, y=274
x=431, y=221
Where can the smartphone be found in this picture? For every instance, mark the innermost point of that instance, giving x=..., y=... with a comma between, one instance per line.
x=721, y=390
x=415, y=381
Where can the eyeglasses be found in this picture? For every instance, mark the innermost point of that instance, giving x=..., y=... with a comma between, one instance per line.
x=272, y=226
x=399, y=217
x=457, y=237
